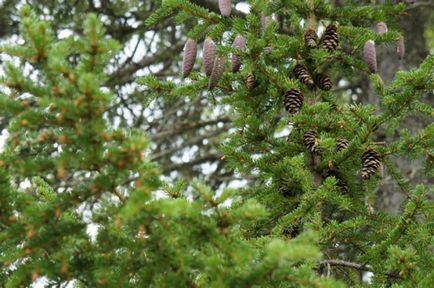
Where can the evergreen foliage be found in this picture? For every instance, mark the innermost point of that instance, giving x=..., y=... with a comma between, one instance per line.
x=308, y=220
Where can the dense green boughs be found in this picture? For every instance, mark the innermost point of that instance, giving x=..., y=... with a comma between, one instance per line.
x=82, y=204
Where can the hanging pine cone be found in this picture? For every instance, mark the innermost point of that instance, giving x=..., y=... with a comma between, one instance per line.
x=330, y=40
x=311, y=141
x=301, y=73
x=323, y=81
x=370, y=163
x=190, y=50
x=380, y=28
x=265, y=20
x=225, y=7
x=310, y=38
x=370, y=55
x=239, y=44
x=250, y=81
x=400, y=48
x=217, y=71
x=208, y=55
x=293, y=100
x=341, y=144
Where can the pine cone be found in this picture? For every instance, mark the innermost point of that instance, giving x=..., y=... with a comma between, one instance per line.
x=268, y=49
x=380, y=28
x=400, y=48
x=301, y=73
x=341, y=144
x=250, y=81
x=225, y=7
x=323, y=81
x=240, y=44
x=217, y=71
x=293, y=100
x=330, y=40
x=208, y=55
x=311, y=141
x=370, y=163
x=310, y=38
x=370, y=55
x=190, y=50
x=265, y=20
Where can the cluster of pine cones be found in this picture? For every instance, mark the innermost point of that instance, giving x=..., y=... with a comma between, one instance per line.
x=370, y=159
x=213, y=64
x=370, y=51
x=293, y=98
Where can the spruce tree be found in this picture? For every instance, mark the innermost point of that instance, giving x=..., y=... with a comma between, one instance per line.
x=307, y=221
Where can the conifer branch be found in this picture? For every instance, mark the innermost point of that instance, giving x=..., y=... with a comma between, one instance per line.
x=357, y=266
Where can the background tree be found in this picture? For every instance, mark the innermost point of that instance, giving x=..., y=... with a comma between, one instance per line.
x=104, y=186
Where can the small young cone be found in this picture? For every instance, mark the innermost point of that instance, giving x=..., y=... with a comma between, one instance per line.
x=250, y=81
x=341, y=144
x=310, y=38
x=370, y=55
x=370, y=163
x=330, y=40
x=301, y=73
x=293, y=100
x=217, y=71
x=240, y=44
x=225, y=7
x=311, y=141
x=380, y=28
x=323, y=81
x=265, y=20
x=400, y=48
x=208, y=55
x=190, y=51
